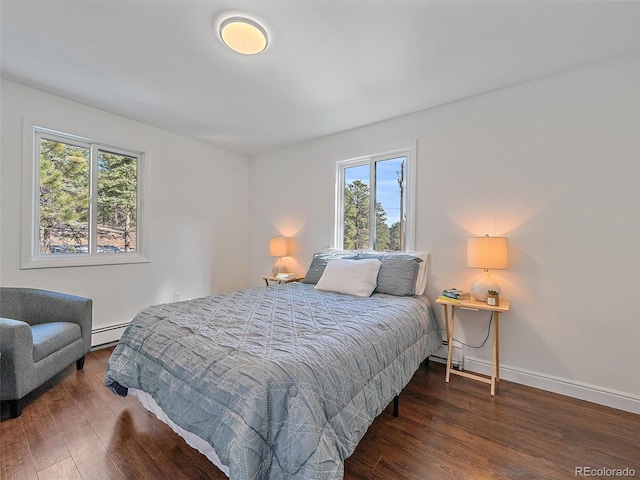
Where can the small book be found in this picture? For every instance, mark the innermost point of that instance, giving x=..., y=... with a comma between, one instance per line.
x=456, y=294
x=285, y=276
x=449, y=299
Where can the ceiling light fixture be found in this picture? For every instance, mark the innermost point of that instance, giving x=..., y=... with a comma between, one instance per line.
x=243, y=35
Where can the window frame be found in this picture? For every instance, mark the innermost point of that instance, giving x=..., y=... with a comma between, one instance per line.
x=410, y=188
x=31, y=256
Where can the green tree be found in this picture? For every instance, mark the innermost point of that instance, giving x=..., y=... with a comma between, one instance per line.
x=357, y=199
x=64, y=193
x=117, y=193
x=395, y=236
x=356, y=215
x=383, y=239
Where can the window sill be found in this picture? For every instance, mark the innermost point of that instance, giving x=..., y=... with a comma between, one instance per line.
x=83, y=261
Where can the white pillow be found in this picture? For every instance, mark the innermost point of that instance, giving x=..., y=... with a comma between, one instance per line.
x=423, y=272
x=353, y=277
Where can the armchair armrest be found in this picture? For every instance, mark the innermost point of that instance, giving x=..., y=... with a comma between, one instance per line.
x=16, y=344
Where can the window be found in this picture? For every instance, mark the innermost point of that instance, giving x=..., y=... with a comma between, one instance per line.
x=86, y=200
x=375, y=202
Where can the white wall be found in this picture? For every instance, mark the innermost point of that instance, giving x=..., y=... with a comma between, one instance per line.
x=555, y=166
x=197, y=210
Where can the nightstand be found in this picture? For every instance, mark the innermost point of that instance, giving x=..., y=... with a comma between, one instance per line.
x=272, y=278
x=449, y=320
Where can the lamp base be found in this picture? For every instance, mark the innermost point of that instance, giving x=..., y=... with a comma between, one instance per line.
x=278, y=267
x=480, y=288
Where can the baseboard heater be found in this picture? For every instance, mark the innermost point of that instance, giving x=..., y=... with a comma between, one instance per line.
x=457, y=359
x=105, y=336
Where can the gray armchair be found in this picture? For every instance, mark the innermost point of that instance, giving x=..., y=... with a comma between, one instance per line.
x=41, y=333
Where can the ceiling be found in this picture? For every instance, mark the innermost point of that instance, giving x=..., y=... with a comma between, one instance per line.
x=331, y=65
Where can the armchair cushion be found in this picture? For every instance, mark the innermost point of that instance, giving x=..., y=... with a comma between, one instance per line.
x=51, y=337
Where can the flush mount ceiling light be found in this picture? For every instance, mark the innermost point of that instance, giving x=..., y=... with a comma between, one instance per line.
x=243, y=35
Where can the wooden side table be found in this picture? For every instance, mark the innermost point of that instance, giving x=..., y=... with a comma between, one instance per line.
x=278, y=281
x=449, y=320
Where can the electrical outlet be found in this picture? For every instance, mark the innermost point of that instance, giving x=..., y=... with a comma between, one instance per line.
x=176, y=296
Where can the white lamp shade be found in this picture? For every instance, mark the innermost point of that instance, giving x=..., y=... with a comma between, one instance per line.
x=487, y=252
x=279, y=247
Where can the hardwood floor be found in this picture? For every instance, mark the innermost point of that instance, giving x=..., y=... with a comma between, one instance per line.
x=74, y=428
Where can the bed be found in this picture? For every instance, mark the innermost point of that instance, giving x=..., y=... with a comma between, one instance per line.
x=274, y=382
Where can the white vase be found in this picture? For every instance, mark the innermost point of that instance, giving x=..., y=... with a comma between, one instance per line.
x=484, y=283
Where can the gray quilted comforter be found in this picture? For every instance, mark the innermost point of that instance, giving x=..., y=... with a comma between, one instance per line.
x=283, y=381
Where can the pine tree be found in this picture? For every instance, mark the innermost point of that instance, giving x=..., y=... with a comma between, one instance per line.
x=383, y=239
x=357, y=199
x=395, y=236
x=356, y=215
x=64, y=193
x=117, y=193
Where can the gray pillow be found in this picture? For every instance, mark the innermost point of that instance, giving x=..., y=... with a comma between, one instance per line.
x=398, y=273
x=318, y=264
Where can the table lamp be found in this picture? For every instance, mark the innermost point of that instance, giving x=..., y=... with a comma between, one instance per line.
x=486, y=252
x=279, y=247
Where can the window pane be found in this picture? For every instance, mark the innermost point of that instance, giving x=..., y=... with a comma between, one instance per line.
x=356, y=207
x=63, y=198
x=390, y=204
x=117, y=202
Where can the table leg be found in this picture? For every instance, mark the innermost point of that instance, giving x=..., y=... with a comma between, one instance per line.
x=495, y=354
x=497, y=333
x=449, y=322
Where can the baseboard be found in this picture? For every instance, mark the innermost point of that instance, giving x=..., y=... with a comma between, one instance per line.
x=107, y=335
x=583, y=391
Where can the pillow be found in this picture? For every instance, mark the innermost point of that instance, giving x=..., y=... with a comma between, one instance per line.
x=398, y=275
x=353, y=277
x=404, y=285
x=423, y=273
x=318, y=264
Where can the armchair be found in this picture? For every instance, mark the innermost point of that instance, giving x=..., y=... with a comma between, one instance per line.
x=41, y=333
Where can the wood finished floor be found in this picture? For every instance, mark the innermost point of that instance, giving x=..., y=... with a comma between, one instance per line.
x=74, y=428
